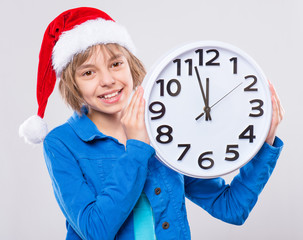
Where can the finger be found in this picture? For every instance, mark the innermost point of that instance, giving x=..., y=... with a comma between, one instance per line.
x=280, y=108
x=129, y=108
x=275, y=109
x=141, y=110
x=137, y=102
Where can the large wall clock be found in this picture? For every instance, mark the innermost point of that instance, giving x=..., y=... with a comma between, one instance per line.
x=208, y=108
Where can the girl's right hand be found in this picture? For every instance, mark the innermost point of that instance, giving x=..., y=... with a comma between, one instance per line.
x=133, y=118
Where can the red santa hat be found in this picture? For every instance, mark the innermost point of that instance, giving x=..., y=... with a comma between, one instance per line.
x=70, y=33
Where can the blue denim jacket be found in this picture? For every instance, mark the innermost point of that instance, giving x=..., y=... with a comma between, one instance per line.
x=97, y=182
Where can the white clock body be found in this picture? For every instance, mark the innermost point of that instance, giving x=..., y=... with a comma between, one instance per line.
x=180, y=90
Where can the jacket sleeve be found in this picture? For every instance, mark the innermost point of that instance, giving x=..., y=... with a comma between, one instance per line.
x=233, y=203
x=97, y=216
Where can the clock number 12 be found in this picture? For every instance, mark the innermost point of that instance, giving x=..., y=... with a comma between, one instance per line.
x=200, y=52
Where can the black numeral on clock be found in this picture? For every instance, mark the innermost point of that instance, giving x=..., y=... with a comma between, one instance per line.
x=178, y=61
x=169, y=87
x=206, y=162
x=231, y=149
x=187, y=147
x=190, y=66
x=164, y=131
x=248, y=133
x=211, y=62
x=234, y=60
x=250, y=88
x=258, y=108
x=154, y=108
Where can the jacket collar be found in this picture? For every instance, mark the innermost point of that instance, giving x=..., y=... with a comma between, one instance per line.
x=84, y=127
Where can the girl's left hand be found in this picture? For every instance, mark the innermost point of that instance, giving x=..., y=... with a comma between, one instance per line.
x=133, y=118
x=277, y=115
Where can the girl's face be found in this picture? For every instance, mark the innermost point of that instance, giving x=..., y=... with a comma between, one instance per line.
x=105, y=81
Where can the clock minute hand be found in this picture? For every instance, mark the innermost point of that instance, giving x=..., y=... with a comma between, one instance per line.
x=207, y=108
x=205, y=98
x=220, y=99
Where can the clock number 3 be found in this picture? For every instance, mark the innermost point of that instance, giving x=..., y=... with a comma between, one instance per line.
x=258, y=108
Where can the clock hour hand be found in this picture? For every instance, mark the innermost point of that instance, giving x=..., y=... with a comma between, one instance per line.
x=205, y=97
x=220, y=100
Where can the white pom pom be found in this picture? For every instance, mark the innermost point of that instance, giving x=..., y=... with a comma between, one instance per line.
x=34, y=130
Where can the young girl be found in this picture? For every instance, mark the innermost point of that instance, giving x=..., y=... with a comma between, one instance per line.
x=104, y=173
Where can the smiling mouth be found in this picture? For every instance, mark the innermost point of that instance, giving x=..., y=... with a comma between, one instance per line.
x=111, y=95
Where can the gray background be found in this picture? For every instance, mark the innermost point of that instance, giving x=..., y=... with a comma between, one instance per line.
x=269, y=30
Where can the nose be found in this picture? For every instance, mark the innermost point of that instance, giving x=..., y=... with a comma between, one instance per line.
x=106, y=79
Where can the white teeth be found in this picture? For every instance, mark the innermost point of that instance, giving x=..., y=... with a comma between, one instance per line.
x=110, y=95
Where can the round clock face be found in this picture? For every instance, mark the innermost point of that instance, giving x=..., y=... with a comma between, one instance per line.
x=208, y=109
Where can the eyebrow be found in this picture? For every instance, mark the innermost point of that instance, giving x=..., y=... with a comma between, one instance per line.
x=115, y=56
x=85, y=66
x=112, y=58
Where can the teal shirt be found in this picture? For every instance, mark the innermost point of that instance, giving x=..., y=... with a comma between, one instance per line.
x=144, y=226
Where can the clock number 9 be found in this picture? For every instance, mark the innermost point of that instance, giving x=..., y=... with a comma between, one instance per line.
x=160, y=110
x=169, y=87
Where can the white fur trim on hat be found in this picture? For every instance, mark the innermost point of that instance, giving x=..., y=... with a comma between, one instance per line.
x=34, y=130
x=89, y=33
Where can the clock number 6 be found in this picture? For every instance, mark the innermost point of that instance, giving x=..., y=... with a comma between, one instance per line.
x=206, y=162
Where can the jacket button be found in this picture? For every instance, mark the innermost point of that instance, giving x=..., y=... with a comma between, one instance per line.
x=157, y=191
x=165, y=225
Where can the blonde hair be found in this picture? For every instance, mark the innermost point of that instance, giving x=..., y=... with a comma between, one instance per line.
x=68, y=87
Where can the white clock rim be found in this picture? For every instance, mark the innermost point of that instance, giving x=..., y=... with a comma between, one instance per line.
x=157, y=68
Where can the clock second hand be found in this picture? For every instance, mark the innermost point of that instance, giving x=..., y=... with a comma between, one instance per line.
x=219, y=100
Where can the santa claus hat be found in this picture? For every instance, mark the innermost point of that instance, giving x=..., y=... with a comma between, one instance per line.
x=70, y=33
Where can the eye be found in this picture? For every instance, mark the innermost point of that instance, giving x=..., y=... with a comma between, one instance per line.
x=87, y=73
x=116, y=64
